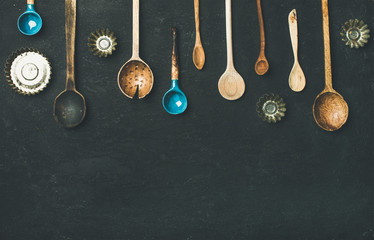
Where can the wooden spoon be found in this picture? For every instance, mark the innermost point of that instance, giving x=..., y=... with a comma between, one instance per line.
x=70, y=106
x=330, y=110
x=231, y=85
x=297, y=78
x=198, y=52
x=135, y=74
x=262, y=64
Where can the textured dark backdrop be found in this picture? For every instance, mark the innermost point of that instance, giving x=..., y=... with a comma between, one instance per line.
x=131, y=171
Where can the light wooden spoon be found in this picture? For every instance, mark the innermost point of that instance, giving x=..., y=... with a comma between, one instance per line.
x=231, y=85
x=297, y=80
x=198, y=52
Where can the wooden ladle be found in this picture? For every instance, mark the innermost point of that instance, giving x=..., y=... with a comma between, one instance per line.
x=231, y=85
x=198, y=52
x=135, y=75
x=262, y=64
x=330, y=110
x=70, y=107
x=297, y=79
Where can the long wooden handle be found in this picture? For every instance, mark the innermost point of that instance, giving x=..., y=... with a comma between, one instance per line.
x=292, y=22
x=135, y=29
x=70, y=25
x=262, y=28
x=197, y=19
x=30, y=1
x=174, y=58
x=230, y=57
x=326, y=37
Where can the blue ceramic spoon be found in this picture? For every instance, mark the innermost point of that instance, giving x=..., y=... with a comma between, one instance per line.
x=174, y=101
x=30, y=22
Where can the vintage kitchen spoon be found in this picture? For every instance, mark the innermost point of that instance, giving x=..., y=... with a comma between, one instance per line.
x=198, y=52
x=231, y=85
x=135, y=74
x=262, y=64
x=297, y=78
x=174, y=100
x=30, y=22
x=70, y=106
x=330, y=110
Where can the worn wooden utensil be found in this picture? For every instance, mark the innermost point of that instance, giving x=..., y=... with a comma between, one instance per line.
x=135, y=75
x=297, y=78
x=198, y=52
x=262, y=64
x=70, y=106
x=231, y=85
x=330, y=110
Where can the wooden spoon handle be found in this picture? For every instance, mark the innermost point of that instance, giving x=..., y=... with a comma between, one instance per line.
x=262, y=28
x=326, y=37
x=174, y=58
x=197, y=19
x=30, y=1
x=135, y=29
x=230, y=57
x=292, y=22
x=70, y=25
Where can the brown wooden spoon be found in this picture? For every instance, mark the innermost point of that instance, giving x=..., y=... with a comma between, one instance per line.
x=262, y=64
x=198, y=52
x=135, y=75
x=330, y=110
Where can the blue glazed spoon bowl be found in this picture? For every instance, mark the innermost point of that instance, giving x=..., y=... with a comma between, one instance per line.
x=30, y=22
x=174, y=100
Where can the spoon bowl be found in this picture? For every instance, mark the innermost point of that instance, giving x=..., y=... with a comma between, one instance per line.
x=69, y=108
x=297, y=79
x=231, y=85
x=199, y=56
x=30, y=22
x=135, y=76
x=330, y=111
x=262, y=66
x=174, y=100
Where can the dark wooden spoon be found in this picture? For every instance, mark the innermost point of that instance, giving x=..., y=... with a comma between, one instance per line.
x=70, y=107
x=262, y=64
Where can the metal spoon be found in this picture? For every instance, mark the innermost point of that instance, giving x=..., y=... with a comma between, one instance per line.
x=30, y=22
x=70, y=107
x=262, y=64
x=135, y=74
x=198, y=52
x=174, y=100
x=231, y=85
x=330, y=110
x=297, y=78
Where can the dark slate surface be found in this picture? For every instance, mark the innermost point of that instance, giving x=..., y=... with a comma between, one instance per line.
x=131, y=171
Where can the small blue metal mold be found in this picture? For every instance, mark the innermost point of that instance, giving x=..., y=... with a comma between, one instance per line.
x=30, y=22
x=174, y=100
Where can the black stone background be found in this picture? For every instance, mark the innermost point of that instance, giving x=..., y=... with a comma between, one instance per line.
x=131, y=171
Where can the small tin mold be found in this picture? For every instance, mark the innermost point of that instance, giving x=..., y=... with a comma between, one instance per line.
x=271, y=108
x=355, y=33
x=102, y=42
x=27, y=71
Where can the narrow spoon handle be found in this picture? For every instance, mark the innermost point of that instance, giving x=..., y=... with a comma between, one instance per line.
x=262, y=28
x=326, y=38
x=197, y=19
x=174, y=58
x=292, y=22
x=70, y=25
x=135, y=29
x=30, y=1
x=230, y=58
